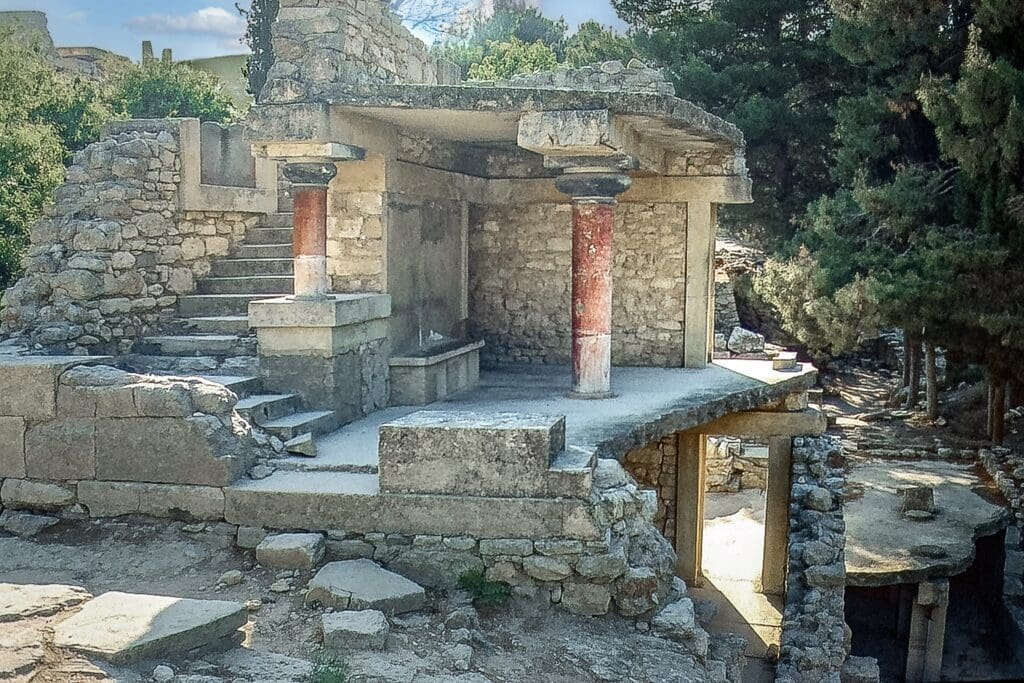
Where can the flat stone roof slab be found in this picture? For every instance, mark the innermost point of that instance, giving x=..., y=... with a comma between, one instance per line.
x=885, y=548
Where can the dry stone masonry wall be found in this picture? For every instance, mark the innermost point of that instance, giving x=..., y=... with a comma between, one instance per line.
x=320, y=46
x=519, y=291
x=113, y=253
x=815, y=637
x=612, y=76
x=654, y=468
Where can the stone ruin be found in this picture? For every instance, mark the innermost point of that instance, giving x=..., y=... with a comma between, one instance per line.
x=385, y=312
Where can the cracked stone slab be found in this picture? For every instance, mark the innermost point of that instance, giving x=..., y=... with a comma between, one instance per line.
x=126, y=627
x=355, y=630
x=19, y=602
x=364, y=585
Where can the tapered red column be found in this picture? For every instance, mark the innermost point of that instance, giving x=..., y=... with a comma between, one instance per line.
x=309, y=189
x=593, y=220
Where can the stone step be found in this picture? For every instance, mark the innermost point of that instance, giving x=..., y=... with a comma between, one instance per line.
x=278, y=220
x=290, y=426
x=213, y=305
x=302, y=500
x=268, y=236
x=337, y=453
x=199, y=345
x=259, y=284
x=251, y=251
x=240, y=267
x=242, y=385
x=263, y=408
x=190, y=366
x=219, y=324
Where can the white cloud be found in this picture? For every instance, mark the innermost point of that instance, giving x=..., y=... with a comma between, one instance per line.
x=77, y=16
x=214, y=21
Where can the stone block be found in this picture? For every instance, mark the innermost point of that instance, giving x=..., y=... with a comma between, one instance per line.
x=181, y=502
x=249, y=537
x=421, y=380
x=362, y=584
x=545, y=568
x=290, y=551
x=509, y=547
x=28, y=384
x=124, y=627
x=12, y=447
x=497, y=454
x=22, y=494
x=61, y=449
x=350, y=630
x=351, y=549
x=586, y=599
x=195, y=450
x=109, y=499
x=19, y=602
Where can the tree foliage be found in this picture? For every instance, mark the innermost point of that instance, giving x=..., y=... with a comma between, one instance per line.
x=259, y=19
x=512, y=57
x=159, y=89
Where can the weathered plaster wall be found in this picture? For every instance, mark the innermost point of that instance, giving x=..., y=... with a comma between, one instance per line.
x=323, y=45
x=114, y=252
x=520, y=281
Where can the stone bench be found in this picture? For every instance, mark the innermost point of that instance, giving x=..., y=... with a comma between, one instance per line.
x=467, y=453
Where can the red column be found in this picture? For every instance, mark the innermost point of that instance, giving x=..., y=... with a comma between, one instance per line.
x=593, y=221
x=309, y=241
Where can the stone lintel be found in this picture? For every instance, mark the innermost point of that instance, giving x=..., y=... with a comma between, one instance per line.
x=762, y=424
x=336, y=310
x=586, y=133
x=305, y=151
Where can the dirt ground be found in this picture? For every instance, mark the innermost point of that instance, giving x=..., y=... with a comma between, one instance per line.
x=523, y=641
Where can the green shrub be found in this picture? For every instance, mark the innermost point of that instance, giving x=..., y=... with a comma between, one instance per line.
x=513, y=57
x=485, y=593
x=329, y=668
x=159, y=89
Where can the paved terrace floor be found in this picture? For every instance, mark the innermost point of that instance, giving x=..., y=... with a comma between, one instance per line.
x=650, y=403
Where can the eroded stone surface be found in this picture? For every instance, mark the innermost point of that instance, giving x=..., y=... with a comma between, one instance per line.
x=290, y=551
x=353, y=630
x=363, y=584
x=26, y=601
x=124, y=627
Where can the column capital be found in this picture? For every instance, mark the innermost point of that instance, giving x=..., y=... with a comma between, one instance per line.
x=604, y=185
x=313, y=173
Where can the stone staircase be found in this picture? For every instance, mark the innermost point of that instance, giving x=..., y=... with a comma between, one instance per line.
x=211, y=336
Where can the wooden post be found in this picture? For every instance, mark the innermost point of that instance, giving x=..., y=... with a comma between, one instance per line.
x=931, y=381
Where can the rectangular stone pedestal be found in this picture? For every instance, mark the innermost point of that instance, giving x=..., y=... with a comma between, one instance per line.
x=494, y=454
x=332, y=352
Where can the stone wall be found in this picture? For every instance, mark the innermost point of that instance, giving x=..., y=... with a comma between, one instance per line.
x=321, y=46
x=654, y=468
x=519, y=282
x=815, y=637
x=613, y=76
x=98, y=436
x=730, y=469
x=111, y=256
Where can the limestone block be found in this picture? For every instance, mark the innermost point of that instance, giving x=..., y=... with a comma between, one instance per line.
x=363, y=584
x=677, y=621
x=34, y=495
x=513, y=547
x=12, y=447
x=350, y=630
x=181, y=502
x=61, y=449
x=19, y=602
x=28, y=384
x=109, y=499
x=498, y=454
x=124, y=627
x=602, y=568
x=586, y=598
x=290, y=551
x=24, y=524
x=545, y=568
x=195, y=450
x=249, y=537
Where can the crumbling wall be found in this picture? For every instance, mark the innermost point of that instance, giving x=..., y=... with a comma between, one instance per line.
x=654, y=468
x=111, y=256
x=78, y=433
x=322, y=46
x=520, y=258
x=815, y=637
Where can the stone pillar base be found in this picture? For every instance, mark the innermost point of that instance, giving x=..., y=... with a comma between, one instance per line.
x=331, y=352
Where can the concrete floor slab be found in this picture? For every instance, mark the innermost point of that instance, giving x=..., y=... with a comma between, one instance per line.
x=883, y=547
x=650, y=403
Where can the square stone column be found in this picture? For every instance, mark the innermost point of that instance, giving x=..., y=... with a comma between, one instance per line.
x=691, y=471
x=927, y=631
x=331, y=351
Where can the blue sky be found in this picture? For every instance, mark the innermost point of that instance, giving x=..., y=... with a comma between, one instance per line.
x=196, y=28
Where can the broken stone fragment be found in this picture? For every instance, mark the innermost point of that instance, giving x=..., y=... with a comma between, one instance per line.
x=916, y=498
x=125, y=627
x=290, y=551
x=586, y=599
x=547, y=568
x=355, y=630
x=24, y=524
x=678, y=621
x=745, y=341
x=26, y=601
x=302, y=445
x=363, y=584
